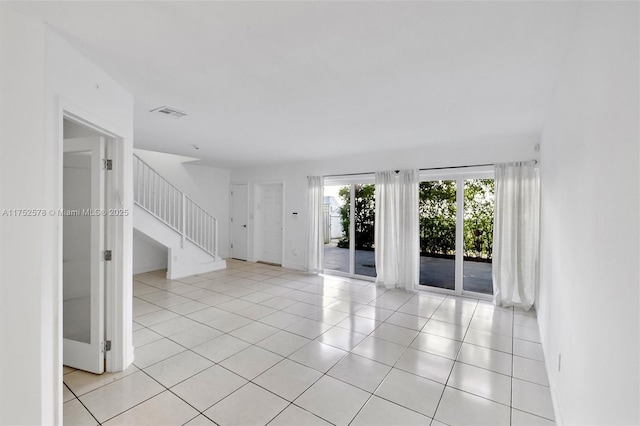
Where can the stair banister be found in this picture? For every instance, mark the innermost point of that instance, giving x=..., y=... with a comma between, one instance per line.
x=167, y=203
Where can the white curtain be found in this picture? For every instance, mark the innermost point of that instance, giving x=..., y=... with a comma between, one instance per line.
x=409, y=227
x=516, y=234
x=315, y=228
x=386, y=230
x=396, y=230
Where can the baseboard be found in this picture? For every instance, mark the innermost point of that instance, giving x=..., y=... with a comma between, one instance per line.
x=144, y=269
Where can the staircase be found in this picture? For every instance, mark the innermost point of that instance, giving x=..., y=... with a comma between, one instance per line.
x=165, y=214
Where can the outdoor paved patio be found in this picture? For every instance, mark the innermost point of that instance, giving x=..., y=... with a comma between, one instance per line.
x=434, y=272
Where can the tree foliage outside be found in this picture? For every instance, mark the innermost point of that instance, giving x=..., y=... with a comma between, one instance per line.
x=478, y=218
x=364, y=215
x=437, y=210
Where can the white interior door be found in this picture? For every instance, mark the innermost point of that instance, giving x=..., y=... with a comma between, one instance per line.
x=270, y=208
x=83, y=256
x=239, y=221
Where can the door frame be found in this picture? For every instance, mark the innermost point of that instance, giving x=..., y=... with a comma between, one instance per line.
x=118, y=313
x=257, y=228
x=231, y=185
x=351, y=181
x=459, y=176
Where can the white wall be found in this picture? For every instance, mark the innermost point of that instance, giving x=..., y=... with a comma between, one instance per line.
x=294, y=178
x=588, y=299
x=40, y=73
x=148, y=255
x=207, y=186
x=22, y=247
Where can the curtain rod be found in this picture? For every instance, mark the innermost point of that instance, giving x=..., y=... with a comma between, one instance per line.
x=531, y=162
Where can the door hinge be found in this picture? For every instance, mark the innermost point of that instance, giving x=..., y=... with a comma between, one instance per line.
x=231, y=245
x=231, y=219
x=106, y=346
x=108, y=164
x=107, y=255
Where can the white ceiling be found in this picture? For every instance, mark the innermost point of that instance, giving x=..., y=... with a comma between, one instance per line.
x=267, y=82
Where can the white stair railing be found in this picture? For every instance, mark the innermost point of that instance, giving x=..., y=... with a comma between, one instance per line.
x=167, y=203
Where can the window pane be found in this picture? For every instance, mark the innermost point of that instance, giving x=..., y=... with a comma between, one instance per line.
x=336, y=228
x=438, y=233
x=364, y=221
x=478, y=235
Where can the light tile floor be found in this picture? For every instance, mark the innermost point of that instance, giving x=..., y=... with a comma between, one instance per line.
x=256, y=344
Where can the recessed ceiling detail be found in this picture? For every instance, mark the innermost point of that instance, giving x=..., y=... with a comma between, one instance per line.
x=168, y=111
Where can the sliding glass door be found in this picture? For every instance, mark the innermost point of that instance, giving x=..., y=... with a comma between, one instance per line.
x=350, y=227
x=364, y=210
x=336, y=240
x=456, y=231
x=437, y=209
x=478, y=235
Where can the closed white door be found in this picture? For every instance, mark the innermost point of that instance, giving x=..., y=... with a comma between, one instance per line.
x=270, y=207
x=83, y=268
x=239, y=221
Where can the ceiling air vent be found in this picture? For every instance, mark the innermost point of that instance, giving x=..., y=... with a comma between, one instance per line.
x=168, y=111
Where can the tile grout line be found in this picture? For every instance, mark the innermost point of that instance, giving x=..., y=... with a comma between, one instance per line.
x=250, y=381
x=451, y=372
x=349, y=352
x=394, y=364
x=80, y=401
x=512, y=362
x=297, y=300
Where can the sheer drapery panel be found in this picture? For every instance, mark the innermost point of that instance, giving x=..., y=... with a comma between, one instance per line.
x=397, y=229
x=315, y=226
x=516, y=234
